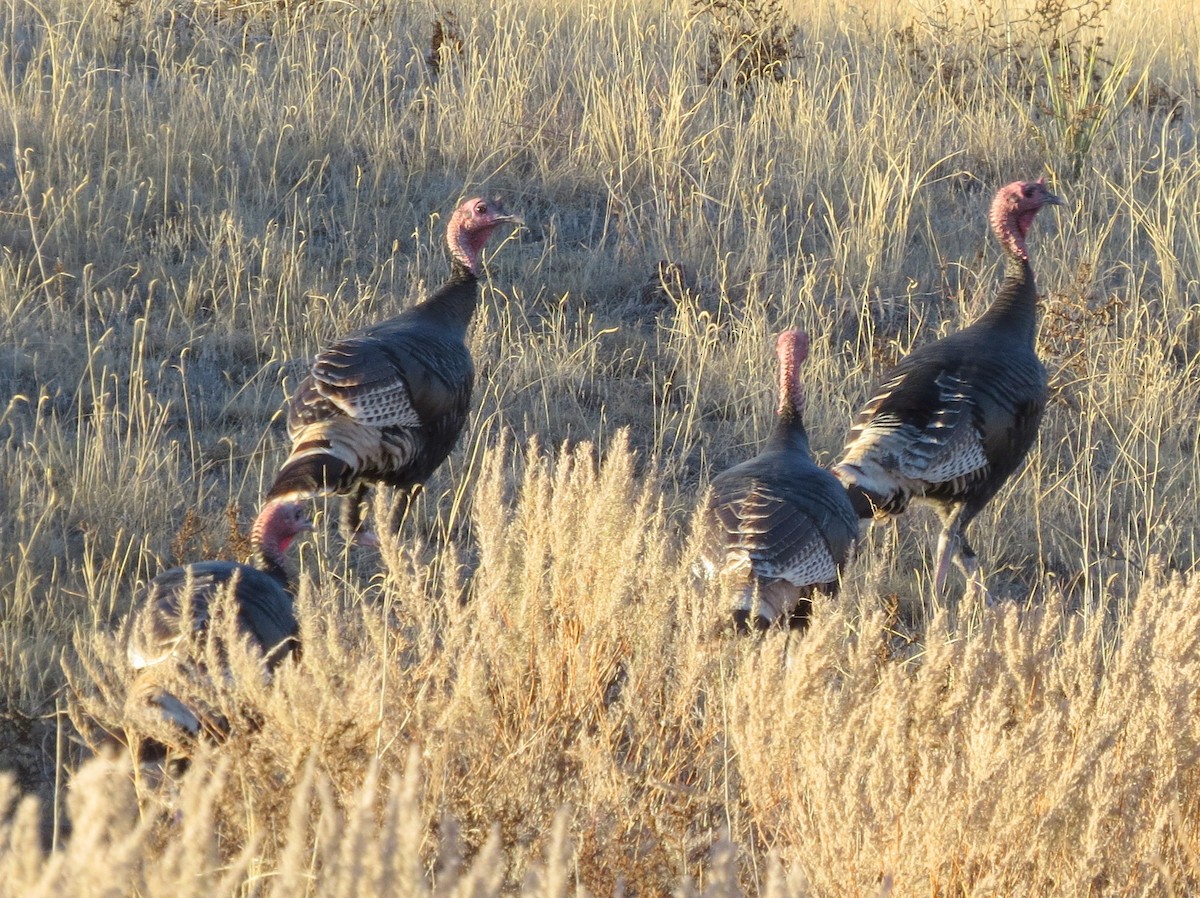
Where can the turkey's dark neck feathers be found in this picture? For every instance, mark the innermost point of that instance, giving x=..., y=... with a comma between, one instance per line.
x=789, y=434
x=454, y=302
x=272, y=564
x=1015, y=307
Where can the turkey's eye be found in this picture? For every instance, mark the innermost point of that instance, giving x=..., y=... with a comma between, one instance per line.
x=481, y=208
x=1028, y=190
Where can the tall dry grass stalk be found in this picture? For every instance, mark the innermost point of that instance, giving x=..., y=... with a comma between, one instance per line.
x=581, y=678
x=194, y=195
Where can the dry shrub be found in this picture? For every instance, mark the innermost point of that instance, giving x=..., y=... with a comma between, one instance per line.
x=328, y=850
x=952, y=40
x=1000, y=761
x=562, y=681
x=1007, y=754
x=445, y=40
x=749, y=41
x=582, y=673
x=1076, y=322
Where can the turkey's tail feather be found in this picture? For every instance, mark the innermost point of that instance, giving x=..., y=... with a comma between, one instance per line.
x=313, y=475
x=758, y=602
x=327, y=457
x=157, y=712
x=867, y=502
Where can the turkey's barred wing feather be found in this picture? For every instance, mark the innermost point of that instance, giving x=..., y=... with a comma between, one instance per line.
x=393, y=375
x=332, y=455
x=770, y=532
x=949, y=446
x=359, y=378
x=920, y=428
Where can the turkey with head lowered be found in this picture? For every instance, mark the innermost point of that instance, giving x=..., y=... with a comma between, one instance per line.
x=170, y=626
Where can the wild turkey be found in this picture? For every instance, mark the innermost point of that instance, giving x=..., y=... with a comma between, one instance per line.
x=387, y=403
x=957, y=417
x=171, y=619
x=783, y=525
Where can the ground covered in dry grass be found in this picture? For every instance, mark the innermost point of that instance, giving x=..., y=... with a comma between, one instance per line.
x=530, y=691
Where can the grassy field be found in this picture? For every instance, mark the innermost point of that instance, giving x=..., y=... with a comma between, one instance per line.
x=529, y=690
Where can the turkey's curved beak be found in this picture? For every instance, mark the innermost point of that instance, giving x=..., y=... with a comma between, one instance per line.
x=1054, y=200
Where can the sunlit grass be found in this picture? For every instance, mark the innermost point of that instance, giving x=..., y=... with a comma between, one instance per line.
x=193, y=196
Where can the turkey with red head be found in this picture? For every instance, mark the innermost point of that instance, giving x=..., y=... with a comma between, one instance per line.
x=387, y=403
x=780, y=526
x=955, y=418
x=171, y=620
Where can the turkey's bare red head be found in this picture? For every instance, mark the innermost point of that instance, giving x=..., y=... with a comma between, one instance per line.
x=278, y=524
x=1013, y=210
x=470, y=227
x=791, y=347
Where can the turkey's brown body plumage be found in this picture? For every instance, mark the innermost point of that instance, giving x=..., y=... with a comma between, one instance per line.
x=387, y=403
x=169, y=636
x=178, y=603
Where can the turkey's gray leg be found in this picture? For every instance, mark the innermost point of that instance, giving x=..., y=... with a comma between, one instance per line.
x=946, y=550
x=351, y=522
x=968, y=563
x=881, y=556
x=401, y=505
x=953, y=546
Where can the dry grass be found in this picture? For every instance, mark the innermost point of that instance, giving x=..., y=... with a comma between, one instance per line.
x=531, y=692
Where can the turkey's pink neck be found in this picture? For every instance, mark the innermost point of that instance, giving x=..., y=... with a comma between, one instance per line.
x=467, y=246
x=792, y=350
x=269, y=535
x=1005, y=227
x=1011, y=220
